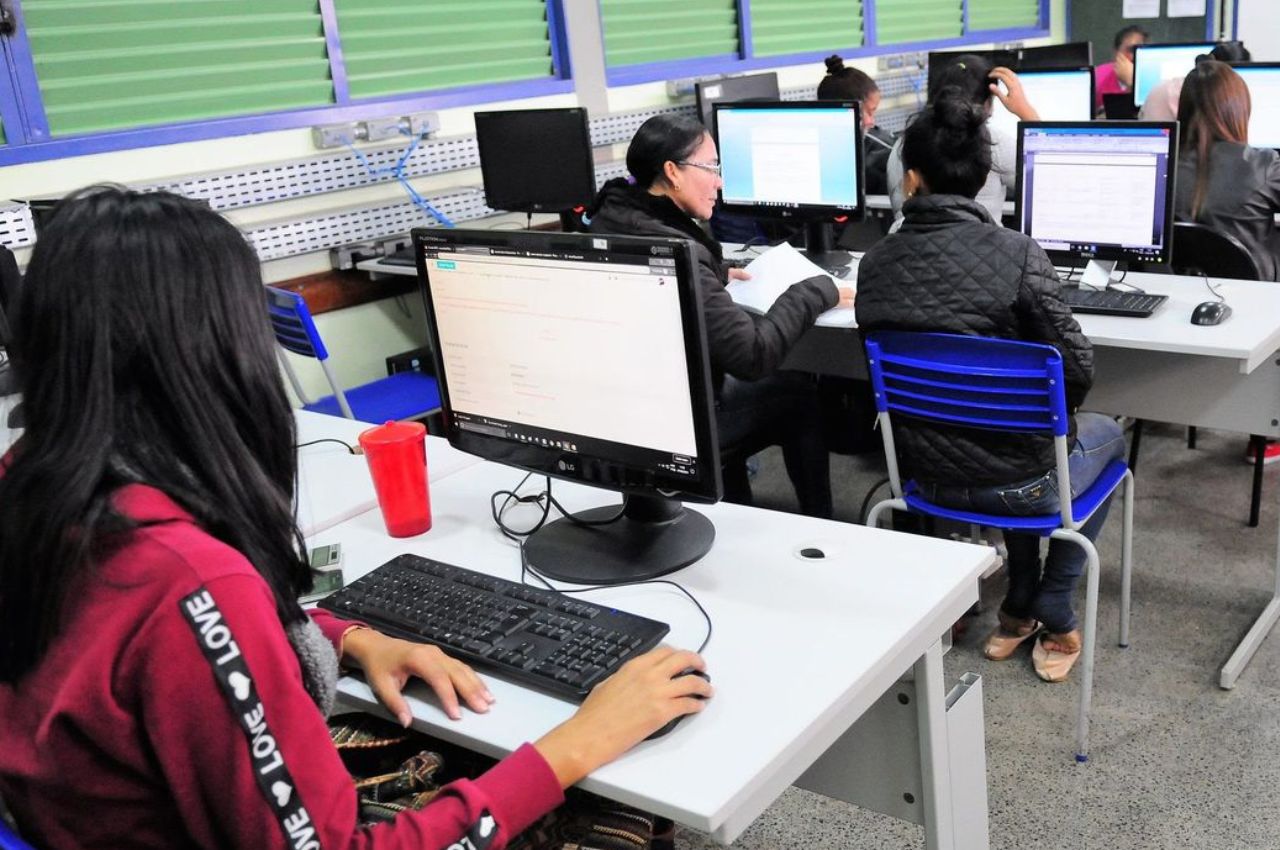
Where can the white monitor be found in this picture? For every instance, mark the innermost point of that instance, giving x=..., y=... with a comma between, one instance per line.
x=1155, y=63
x=1263, y=80
x=1062, y=94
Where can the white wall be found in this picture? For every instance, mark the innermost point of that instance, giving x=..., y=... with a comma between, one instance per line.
x=1258, y=25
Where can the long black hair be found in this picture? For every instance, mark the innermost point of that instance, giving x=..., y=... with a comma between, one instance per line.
x=967, y=72
x=948, y=144
x=661, y=139
x=143, y=354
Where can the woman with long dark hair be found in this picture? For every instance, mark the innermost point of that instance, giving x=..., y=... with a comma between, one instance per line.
x=159, y=684
x=675, y=177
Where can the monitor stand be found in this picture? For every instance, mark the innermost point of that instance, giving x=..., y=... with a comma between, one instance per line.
x=820, y=246
x=1097, y=273
x=653, y=537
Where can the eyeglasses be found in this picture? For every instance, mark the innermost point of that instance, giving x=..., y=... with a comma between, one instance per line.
x=712, y=167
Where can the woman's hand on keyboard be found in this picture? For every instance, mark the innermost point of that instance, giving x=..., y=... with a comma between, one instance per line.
x=643, y=696
x=389, y=663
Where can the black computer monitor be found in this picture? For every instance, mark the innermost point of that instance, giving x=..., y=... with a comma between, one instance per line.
x=536, y=160
x=940, y=59
x=583, y=357
x=1060, y=94
x=798, y=161
x=1100, y=191
x=1073, y=54
x=733, y=89
x=1263, y=80
x=1155, y=63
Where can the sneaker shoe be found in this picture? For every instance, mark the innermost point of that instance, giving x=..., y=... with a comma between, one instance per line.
x=1053, y=656
x=1008, y=636
x=1270, y=454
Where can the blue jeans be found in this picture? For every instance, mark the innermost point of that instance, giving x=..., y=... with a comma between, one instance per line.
x=1044, y=595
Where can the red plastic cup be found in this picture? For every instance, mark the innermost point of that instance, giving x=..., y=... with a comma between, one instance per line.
x=397, y=456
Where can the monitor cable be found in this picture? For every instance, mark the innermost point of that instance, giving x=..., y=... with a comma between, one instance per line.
x=350, y=448
x=397, y=171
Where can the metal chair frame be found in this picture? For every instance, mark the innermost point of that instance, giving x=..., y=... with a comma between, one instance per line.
x=1004, y=385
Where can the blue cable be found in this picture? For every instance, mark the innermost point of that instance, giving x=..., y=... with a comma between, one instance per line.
x=397, y=171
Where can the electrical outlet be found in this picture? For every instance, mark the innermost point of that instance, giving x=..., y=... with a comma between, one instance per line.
x=377, y=129
x=333, y=135
x=420, y=124
x=345, y=257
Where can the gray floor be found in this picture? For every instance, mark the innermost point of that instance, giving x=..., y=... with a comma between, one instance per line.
x=1175, y=761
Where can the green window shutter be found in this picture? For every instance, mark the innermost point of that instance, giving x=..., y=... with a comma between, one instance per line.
x=639, y=31
x=394, y=47
x=899, y=21
x=116, y=64
x=1003, y=14
x=800, y=26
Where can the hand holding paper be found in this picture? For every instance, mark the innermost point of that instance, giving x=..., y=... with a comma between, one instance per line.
x=773, y=272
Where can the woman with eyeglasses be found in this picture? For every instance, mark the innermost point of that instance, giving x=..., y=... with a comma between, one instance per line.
x=675, y=177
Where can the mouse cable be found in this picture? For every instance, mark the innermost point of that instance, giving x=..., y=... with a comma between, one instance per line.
x=350, y=448
x=1213, y=288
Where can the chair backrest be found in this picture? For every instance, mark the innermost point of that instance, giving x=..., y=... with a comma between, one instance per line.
x=1198, y=249
x=969, y=381
x=294, y=328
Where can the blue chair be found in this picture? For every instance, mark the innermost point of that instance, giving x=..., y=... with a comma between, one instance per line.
x=404, y=395
x=1003, y=385
x=9, y=840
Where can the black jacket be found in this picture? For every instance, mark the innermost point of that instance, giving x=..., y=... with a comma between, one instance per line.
x=741, y=344
x=1243, y=198
x=950, y=270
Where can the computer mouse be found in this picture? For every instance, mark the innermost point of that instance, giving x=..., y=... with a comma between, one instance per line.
x=675, y=721
x=1210, y=313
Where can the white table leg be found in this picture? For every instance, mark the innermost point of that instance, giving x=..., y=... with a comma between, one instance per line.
x=1261, y=628
x=935, y=770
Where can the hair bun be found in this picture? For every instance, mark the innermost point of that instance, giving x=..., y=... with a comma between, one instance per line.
x=952, y=110
x=835, y=64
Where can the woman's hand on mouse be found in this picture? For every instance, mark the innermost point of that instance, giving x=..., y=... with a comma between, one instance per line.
x=1013, y=96
x=640, y=698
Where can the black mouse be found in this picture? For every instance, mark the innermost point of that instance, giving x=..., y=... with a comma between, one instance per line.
x=675, y=721
x=1210, y=313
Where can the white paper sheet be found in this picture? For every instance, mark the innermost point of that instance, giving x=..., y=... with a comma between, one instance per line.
x=773, y=272
x=1186, y=8
x=1141, y=8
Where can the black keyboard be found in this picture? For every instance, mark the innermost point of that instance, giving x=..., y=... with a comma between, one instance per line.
x=403, y=257
x=536, y=637
x=1111, y=302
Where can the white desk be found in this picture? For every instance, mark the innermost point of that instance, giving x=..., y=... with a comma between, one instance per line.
x=801, y=650
x=334, y=485
x=881, y=203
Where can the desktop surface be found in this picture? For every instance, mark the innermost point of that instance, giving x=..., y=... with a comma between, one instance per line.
x=844, y=628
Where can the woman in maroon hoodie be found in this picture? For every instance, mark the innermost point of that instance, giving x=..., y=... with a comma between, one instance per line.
x=159, y=684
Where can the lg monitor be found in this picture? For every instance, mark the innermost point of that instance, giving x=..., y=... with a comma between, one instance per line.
x=1073, y=54
x=1263, y=80
x=1099, y=191
x=581, y=357
x=733, y=90
x=1064, y=94
x=1155, y=63
x=796, y=161
x=536, y=160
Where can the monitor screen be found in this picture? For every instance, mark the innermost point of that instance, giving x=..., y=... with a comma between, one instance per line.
x=791, y=160
x=1073, y=54
x=536, y=160
x=731, y=90
x=1101, y=189
x=1154, y=63
x=1263, y=80
x=1061, y=95
x=582, y=357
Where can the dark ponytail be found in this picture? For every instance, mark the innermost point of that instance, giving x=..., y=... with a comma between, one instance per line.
x=662, y=139
x=948, y=144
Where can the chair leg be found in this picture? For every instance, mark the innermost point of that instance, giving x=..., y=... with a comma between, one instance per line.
x=1090, y=633
x=1126, y=559
x=873, y=518
x=1134, y=442
x=1259, y=459
x=1191, y=436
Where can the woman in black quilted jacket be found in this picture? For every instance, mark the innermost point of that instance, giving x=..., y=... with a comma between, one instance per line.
x=951, y=269
x=675, y=176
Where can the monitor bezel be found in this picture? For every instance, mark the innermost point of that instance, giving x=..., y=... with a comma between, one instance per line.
x=706, y=111
x=800, y=212
x=1104, y=252
x=487, y=142
x=1207, y=45
x=1262, y=65
x=1023, y=51
x=567, y=465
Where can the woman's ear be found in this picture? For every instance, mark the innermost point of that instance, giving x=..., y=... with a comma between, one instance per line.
x=671, y=173
x=913, y=184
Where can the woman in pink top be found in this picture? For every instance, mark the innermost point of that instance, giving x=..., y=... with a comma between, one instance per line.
x=1116, y=76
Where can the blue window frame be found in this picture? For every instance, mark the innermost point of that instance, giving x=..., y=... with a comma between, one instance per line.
x=862, y=38
x=29, y=137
